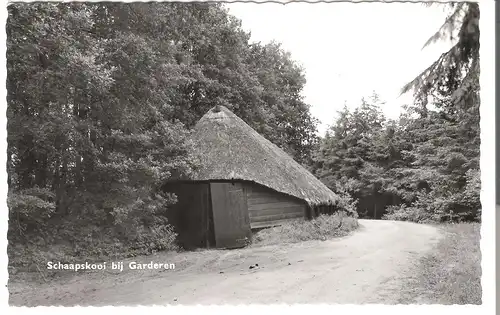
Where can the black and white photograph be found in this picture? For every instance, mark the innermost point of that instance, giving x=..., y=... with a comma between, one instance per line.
x=216, y=153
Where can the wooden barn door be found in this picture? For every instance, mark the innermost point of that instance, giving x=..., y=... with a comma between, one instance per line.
x=190, y=215
x=230, y=215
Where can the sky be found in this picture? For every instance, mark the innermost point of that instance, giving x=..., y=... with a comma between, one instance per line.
x=349, y=50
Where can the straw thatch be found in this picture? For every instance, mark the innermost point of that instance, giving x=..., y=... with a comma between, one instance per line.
x=229, y=149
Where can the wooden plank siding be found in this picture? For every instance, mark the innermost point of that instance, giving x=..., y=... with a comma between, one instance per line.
x=230, y=215
x=267, y=207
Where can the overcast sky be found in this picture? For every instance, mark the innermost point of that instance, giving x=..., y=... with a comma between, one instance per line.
x=349, y=50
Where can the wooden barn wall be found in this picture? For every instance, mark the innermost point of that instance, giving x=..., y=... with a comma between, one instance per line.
x=267, y=207
x=191, y=215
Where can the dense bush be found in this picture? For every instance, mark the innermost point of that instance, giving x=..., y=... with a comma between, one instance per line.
x=420, y=168
x=323, y=227
x=346, y=203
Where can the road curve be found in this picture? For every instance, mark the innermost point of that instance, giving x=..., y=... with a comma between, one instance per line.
x=368, y=266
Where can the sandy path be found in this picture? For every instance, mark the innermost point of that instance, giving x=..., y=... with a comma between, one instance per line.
x=367, y=267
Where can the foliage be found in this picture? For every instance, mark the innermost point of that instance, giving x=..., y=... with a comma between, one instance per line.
x=451, y=147
x=345, y=202
x=420, y=168
x=357, y=151
x=425, y=166
x=322, y=228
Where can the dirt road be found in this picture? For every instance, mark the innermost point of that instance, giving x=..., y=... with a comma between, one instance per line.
x=369, y=266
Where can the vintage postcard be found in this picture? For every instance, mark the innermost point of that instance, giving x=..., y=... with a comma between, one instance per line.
x=213, y=153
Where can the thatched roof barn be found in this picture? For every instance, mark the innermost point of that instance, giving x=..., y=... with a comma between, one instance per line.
x=245, y=182
x=231, y=150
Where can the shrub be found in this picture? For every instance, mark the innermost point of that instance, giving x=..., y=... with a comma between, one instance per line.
x=445, y=205
x=321, y=228
x=37, y=235
x=29, y=211
x=405, y=213
x=346, y=202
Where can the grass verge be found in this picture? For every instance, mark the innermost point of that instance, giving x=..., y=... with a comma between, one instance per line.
x=321, y=228
x=451, y=273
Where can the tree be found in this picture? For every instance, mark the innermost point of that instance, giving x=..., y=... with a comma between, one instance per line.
x=437, y=163
x=447, y=152
x=355, y=154
x=457, y=70
x=288, y=121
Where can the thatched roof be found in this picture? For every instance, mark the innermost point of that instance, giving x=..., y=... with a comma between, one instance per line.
x=229, y=149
